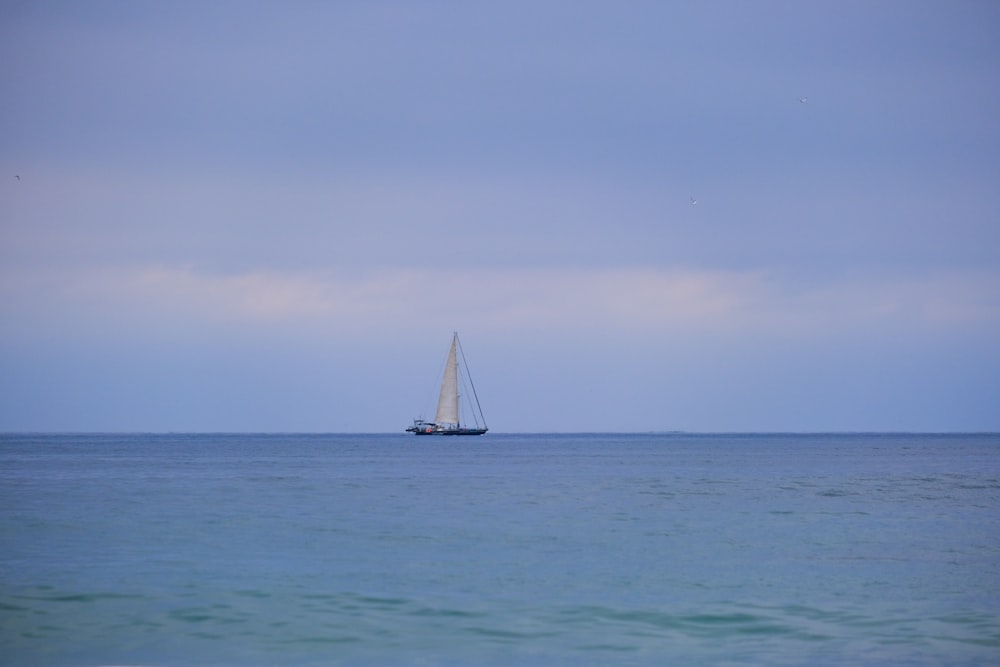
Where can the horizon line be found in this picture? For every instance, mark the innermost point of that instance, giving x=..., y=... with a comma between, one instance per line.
x=404, y=433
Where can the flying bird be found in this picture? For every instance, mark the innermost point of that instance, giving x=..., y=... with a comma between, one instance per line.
x=803, y=100
x=694, y=202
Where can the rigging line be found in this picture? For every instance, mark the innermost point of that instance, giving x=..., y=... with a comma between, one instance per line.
x=465, y=380
x=471, y=384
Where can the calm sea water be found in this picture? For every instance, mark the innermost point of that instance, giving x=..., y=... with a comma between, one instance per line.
x=176, y=550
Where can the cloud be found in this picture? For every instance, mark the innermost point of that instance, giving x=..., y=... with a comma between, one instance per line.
x=610, y=301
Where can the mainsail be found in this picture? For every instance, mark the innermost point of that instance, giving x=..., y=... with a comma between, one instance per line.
x=447, y=411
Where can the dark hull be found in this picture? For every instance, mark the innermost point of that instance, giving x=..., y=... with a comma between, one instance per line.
x=448, y=431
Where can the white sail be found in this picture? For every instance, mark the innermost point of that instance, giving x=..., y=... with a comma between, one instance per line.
x=447, y=411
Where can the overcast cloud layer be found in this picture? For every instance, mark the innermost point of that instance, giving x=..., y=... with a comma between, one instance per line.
x=258, y=216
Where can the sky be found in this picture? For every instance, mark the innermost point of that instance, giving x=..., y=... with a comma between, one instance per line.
x=262, y=216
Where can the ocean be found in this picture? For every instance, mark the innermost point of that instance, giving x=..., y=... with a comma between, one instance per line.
x=595, y=549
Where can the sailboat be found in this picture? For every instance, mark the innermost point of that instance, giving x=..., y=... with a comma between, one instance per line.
x=447, y=421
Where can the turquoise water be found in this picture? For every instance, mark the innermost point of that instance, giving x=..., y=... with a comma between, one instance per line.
x=171, y=550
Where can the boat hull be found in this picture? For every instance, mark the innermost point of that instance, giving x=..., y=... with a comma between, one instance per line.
x=447, y=431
